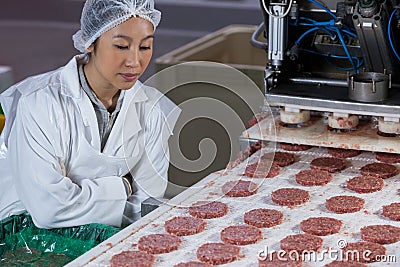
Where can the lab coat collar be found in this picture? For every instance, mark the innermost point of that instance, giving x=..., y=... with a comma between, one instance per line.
x=127, y=124
x=69, y=78
x=135, y=94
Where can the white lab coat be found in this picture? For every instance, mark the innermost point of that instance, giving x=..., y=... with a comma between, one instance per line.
x=50, y=158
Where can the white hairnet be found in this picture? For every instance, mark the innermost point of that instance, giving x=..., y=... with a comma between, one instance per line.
x=99, y=16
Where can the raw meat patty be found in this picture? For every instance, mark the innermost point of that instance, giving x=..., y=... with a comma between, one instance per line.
x=382, y=170
x=381, y=234
x=262, y=170
x=263, y=217
x=217, y=253
x=239, y=188
x=313, y=177
x=388, y=157
x=345, y=264
x=290, y=196
x=301, y=242
x=282, y=159
x=208, y=210
x=159, y=243
x=132, y=259
x=343, y=153
x=362, y=247
x=274, y=260
x=184, y=225
x=392, y=211
x=294, y=147
x=241, y=235
x=321, y=226
x=328, y=164
x=344, y=204
x=192, y=264
x=365, y=184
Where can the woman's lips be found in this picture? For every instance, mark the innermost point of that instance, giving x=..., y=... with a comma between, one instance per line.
x=130, y=77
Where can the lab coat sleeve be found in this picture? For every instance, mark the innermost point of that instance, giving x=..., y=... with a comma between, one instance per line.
x=53, y=200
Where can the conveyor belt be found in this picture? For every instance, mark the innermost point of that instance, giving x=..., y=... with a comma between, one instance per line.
x=210, y=188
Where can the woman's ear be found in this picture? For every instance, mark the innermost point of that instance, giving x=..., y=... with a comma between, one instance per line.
x=90, y=49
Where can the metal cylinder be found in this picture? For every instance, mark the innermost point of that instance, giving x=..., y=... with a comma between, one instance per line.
x=368, y=8
x=277, y=34
x=368, y=87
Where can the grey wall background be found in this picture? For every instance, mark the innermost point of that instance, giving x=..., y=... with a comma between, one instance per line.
x=35, y=36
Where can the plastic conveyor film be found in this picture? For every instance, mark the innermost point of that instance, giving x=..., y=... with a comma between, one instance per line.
x=210, y=189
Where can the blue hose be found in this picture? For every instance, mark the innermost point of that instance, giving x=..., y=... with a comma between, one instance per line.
x=350, y=33
x=346, y=50
x=330, y=28
x=390, y=34
x=311, y=30
x=356, y=59
x=305, y=33
x=323, y=7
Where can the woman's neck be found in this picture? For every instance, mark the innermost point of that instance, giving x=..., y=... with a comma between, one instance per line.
x=107, y=96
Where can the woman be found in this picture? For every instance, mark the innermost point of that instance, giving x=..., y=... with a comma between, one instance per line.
x=87, y=143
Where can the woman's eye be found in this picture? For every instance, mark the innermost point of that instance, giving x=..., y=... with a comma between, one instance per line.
x=145, y=47
x=121, y=47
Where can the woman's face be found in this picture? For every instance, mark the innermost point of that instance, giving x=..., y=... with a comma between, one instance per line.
x=120, y=55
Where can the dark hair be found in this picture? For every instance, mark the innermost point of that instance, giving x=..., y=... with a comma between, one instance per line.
x=95, y=44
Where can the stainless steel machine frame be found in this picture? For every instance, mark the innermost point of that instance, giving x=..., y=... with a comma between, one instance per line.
x=308, y=39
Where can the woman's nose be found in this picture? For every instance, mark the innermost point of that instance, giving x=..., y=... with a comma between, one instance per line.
x=132, y=59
